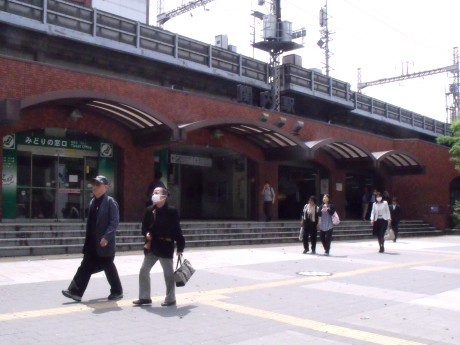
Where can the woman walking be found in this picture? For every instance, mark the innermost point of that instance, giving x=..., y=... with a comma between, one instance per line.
x=325, y=225
x=310, y=225
x=380, y=216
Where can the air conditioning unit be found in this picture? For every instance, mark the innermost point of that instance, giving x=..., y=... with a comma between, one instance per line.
x=287, y=104
x=244, y=94
x=221, y=41
x=266, y=100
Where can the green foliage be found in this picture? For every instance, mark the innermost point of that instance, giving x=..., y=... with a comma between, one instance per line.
x=453, y=142
x=456, y=214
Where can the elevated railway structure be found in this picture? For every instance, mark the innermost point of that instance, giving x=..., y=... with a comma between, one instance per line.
x=59, y=32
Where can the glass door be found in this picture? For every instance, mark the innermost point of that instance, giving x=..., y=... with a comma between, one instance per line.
x=43, y=187
x=70, y=184
x=54, y=186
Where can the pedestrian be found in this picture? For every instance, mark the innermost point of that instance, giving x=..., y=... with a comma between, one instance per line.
x=100, y=246
x=380, y=216
x=326, y=210
x=372, y=199
x=310, y=225
x=365, y=200
x=268, y=194
x=386, y=196
x=156, y=182
x=161, y=229
x=395, y=211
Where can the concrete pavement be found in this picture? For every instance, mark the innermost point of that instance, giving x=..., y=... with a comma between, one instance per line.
x=269, y=294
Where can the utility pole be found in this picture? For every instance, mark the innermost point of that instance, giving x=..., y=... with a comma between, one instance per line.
x=323, y=42
x=453, y=109
x=277, y=40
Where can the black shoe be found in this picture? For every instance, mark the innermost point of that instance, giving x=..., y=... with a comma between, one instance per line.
x=115, y=296
x=313, y=252
x=381, y=250
x=142, y=301
x=305, y=251
x=168, y=304
x=326, y=254
x=69, y=294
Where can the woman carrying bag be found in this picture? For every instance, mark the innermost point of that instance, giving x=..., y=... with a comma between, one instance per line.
x=326, y=210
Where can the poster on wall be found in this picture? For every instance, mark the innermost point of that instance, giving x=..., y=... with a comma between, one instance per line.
x=324, y=186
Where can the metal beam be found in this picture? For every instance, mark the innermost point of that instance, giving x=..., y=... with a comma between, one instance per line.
x=164, y=17
x=452, y=68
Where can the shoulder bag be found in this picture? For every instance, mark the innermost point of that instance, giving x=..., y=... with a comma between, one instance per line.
x=335, y=219
x=184, y=270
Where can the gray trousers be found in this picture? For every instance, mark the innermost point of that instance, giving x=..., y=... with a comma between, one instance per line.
x=168, y=272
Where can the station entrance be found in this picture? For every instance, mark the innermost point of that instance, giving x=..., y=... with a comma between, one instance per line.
x=53, y=185
x=49, y=176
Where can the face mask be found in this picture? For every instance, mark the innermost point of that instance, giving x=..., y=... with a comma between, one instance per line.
x=156, y=198
x=379, y=198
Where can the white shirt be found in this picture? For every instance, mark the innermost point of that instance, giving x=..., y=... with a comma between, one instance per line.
x=380, y=210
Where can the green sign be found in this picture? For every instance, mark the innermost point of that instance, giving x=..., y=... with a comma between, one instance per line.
x=61, y=143
x=9, y=177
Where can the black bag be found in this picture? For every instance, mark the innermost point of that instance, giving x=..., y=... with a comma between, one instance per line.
x=183, y=272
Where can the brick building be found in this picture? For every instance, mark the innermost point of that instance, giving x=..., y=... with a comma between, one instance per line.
x=86, y=94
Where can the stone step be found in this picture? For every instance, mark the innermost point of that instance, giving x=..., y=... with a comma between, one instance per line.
x=50, y=239
x=255, y=227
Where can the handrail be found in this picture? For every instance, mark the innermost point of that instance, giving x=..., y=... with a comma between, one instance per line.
x=141, y=36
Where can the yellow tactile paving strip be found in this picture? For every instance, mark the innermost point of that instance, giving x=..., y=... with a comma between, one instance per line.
x=214, y=298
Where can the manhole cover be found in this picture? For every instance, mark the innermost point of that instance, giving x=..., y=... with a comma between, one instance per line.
x=313, y=273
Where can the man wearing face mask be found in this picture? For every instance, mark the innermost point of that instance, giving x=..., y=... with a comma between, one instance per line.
x=161, y=229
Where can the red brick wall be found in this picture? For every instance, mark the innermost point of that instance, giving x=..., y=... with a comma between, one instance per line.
x=22, y=79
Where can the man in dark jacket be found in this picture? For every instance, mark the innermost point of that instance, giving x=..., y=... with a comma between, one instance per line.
x=99, y=247
x=161, y=228
x=395, y=210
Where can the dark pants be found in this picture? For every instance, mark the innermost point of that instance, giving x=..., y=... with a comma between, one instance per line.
x=90, y=264
x=268, y=210
x=310, y=234
x=395, y=227
x=378, y=230
x=326, y=239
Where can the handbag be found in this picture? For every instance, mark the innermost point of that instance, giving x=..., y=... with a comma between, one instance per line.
x=335, y=219
x=301, y=234
x=389, y=234
x=184, y=270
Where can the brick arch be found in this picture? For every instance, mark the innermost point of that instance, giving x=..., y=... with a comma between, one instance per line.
x=147, y=126
x=342, y=150
x=398, y=162
x=272, y=140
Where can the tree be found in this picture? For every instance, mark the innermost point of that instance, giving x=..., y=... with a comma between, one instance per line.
x=453, y=141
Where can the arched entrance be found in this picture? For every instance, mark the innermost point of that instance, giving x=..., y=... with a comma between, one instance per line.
x=211, y=183
x=296, y=184
x=357, y=183
x=51, y=173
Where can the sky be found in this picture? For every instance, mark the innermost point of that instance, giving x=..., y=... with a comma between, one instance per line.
x=381, y=38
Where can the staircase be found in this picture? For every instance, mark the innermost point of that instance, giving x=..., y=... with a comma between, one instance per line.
x=27, y=239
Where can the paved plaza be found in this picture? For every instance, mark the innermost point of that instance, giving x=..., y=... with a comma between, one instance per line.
x=269, y=294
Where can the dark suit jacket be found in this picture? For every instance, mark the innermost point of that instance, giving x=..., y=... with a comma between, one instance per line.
x=164, y=226
x=107, y=221
x=395, y=214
